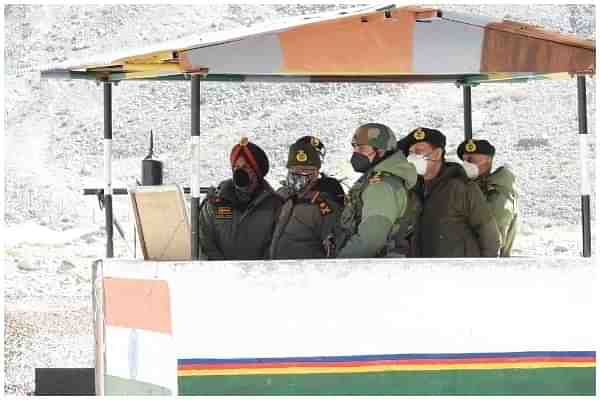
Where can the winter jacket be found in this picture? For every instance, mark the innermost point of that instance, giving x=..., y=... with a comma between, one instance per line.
x=230, y=230
x=374, y=207
x=455, y=220
x=500, y=191
x=304, y=224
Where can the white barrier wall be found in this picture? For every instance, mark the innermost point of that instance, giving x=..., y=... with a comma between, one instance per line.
x=355, y=308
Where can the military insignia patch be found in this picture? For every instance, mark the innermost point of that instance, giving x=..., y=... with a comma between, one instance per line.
x=301, y=156
x=419, y=134
x=376, y=177
x=324, y=208
x=224, y=213
x=470, y=147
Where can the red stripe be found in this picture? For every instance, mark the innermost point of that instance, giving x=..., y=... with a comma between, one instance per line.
x=487, y=360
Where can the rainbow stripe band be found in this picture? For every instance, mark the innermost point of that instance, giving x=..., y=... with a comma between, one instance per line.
x=465, y=373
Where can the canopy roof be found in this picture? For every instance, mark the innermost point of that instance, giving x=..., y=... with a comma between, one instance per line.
x=373, y=44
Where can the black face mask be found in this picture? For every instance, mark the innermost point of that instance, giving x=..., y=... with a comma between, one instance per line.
x=360, y=162
x=244, y=182
x=241, y=178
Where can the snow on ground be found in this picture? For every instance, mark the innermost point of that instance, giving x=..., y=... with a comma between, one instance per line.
x=54, y=146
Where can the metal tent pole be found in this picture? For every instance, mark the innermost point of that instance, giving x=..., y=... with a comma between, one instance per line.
x=583, y=156
x=108, y=210
x=468, y=112
x=195, y=183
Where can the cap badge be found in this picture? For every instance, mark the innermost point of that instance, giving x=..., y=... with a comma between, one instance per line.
x=419, y=134
x=470, y=147
x=301, y=156
x=244, y=141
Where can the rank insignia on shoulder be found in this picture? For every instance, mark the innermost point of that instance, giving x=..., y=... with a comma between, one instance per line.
x=324, y=208
x=224, y=213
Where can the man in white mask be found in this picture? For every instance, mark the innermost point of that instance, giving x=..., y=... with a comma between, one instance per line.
x=498, y=187
x=453, y=219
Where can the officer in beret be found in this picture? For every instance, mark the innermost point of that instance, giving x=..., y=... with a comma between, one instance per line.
x=377, y=201
x=312, y=205
x=498, y=187
x=237, y=219
x=454, y=220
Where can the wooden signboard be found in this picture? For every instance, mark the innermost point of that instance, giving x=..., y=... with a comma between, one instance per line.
x=162, y=223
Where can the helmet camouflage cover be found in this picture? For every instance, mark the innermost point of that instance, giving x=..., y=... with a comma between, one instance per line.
x=379, y=136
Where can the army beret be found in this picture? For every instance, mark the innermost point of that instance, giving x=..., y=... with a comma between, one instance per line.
x=427, y=135
x=472, y=146
x=306, y=152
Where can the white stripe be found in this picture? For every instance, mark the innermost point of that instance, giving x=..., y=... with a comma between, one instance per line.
x=459, y=45
x=196, y=166
x=583, y=159
x=107, y=166
x=142, y=355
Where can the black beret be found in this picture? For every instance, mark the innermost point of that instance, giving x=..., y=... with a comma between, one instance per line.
x=472, y=146
x=428, y=135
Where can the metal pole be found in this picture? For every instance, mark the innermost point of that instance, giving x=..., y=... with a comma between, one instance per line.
x=108, y=210
x=195, y=183
x=468, y=112
x=583, y=156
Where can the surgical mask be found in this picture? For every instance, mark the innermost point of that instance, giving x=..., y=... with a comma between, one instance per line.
x=297, y=182
x=419, y=161
x=360, y=162
x=472, y=170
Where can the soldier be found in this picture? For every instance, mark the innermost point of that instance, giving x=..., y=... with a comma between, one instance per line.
x=498, y=187
x=454, y=220
x=237, y=219
x=311, y=208
x=377, y=200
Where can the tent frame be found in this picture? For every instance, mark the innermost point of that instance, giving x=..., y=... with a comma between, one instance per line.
x=195, y=87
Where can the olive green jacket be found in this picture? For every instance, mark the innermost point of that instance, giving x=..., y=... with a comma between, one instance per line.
x=500, y=191
x=374, y=206
x=455, y=219
x=304, y=224
x=229, y=231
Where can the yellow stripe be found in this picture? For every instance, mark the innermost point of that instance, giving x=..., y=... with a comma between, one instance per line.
x=382, y=368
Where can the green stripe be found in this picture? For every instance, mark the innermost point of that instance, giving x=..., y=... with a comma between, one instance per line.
x=114, y=385
x=541, y=381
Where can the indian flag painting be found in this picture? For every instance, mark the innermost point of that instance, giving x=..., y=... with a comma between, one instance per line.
x=138, y=337
x=328, y=327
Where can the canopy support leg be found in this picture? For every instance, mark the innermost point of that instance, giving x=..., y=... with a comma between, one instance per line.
x=195, y=154
x=468, y=112
x=108, y=209
x=583, y=153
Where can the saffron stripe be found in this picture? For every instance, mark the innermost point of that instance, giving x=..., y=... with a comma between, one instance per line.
x=369, y=357
x=382, y=368
x=514, y=360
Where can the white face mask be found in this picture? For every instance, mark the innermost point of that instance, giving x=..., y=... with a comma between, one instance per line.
x=419, y=162
x=472, y=170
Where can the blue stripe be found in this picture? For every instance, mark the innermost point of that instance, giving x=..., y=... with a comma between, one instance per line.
x=374, y=357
